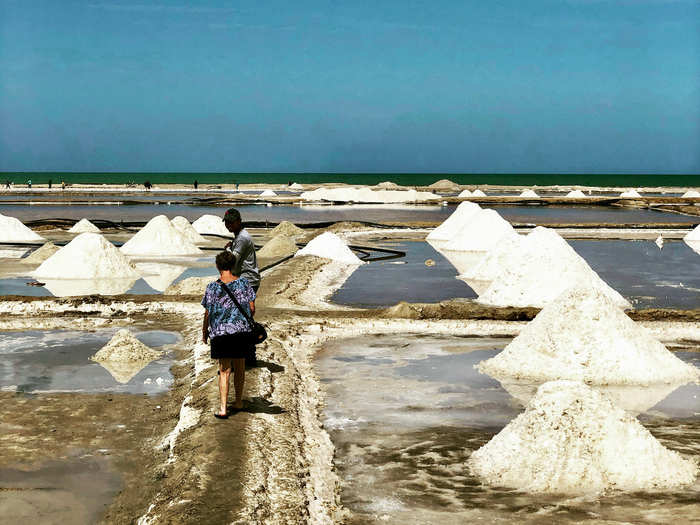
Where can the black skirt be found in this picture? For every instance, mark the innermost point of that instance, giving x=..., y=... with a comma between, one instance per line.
x=231, y=346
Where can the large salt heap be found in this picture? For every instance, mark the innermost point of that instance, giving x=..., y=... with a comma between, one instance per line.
x=584, y=336
x=574, y=440
x=12, y=230
x=212, y=224
x=84, y=226
x=460, y=218
x=88, y=256
x=576, y=194
x=543, y=267
x=630, y=194
x=182, y=225
x=329, y=246
x=159, y=238
x=529, y=194
x=481, y=233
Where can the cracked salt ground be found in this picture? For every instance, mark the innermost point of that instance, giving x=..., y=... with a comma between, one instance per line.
x=59, y=361
x=405, y=412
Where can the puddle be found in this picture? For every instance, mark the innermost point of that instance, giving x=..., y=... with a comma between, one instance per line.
x=74, y=490
x=405, y=412
x=59, y=361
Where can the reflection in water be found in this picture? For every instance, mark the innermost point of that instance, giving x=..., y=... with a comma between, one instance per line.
x=694, y=245
x=159, y=275
x=102, y=286
x=123, y=372
x=13, y=253
x=462, y=261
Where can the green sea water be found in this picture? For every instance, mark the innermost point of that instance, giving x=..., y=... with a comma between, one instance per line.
x=404, y=179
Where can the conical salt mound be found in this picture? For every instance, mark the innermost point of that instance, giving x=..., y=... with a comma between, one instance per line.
x=329, y=246
x=537, y=273
x=573, y=440
x=212, y=224
x=278, y=246
x=295, y=186
x=88, y=256
x=268, y=193
x=288, y=229
x=478, y=193
x=694, y=235
x=630, y=194
x=12, y=230
x=444, y=184
x=465, y=193
x=460, y=218
x=529, y=194
x=40, y=255
x=481, y=233
x=84, y=226
x=694, y=194
x=576, y=194
x=182, y=225
x=159, y=238
x=584, y=336
x=388, y=185
x=125, y=348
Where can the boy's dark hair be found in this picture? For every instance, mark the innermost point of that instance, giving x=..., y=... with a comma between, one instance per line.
x=225, y=261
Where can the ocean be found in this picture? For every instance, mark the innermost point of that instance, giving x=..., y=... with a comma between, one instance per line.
x=404, y=179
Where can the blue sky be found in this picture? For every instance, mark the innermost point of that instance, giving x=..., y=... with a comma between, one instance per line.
x=578, y=86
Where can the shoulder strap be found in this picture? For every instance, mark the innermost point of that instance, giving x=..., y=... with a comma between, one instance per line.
x=240, y=308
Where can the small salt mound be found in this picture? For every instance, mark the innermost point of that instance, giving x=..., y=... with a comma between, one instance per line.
x=481, y=233
x=40, y=255
x=288, y=229
x=84, y=226
x=478, y=193
x=691, y=194
x=125, y=348
x=388, y=185
x=465, y=193
x=445, y=185
x=576, y=194
x=541, y=270
x=529, y=194
x=459, y=219
x=278, y=246
x=159, y=238
x=88, y=256
x=296, y=187
x=268, y=193
x=182, y=225
x=573, y=440
x=329, y=246
x=631, y=194
x=12, y=230
x=367, y=195
x=212, y=224
x=694, y=235
x=584, y=336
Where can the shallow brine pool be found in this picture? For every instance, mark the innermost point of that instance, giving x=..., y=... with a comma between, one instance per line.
x=405, y=412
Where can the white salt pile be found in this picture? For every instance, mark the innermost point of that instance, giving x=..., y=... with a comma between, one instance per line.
x=584, y=336
x=693, y=235
x=268, y=193
x=366, y=195
x=84, y=226
x=388, y=185
x=576, y=194
x=529, y=194
x=444, y=185
x=212, y=224
x=278, y=246
x=478, y=193
x=464, y=213
x=88, y=256
x=12, y=230
x=182, y=225
x=480, y=276
x=287, y=228
x=574, y=440
x=124, y=356
x=296, y=187
x=630, y=194
x=465, y=193
x=691, y=194
x=159, y=238
x=544, y=267
x=480, y=233
x=329, y=246
x=40, y=255
x=159, y=275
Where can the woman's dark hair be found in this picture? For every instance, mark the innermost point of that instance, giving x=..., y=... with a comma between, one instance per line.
x=225, y=261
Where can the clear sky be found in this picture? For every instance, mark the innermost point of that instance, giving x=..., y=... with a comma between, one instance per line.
x=589, y=86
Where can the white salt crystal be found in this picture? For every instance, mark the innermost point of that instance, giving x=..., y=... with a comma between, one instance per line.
x=329, y=246
x=159, y=238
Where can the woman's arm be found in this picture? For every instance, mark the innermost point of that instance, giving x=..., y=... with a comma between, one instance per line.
x=252, y=308
x=205, y=327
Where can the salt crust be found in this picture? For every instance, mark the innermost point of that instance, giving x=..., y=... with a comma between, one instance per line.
x=278, y=246
x=691, y=194
x=84, y=226
x=576, y=194
x=459, y=219
x=125, y=348
x=630, y=194
x=574, y=440
x=465, y=193
x=159, y=238
x=366, y=195
x=12, y=230
x=478, y=193
x=541, y=270
x=329, y=246
x=481, y=233
x=530, y=194
x=88, y=256
x=182, y=225
x=286, y=228
x=40, y=255
x=694, y=235
x=211, y=224
x=584, y=336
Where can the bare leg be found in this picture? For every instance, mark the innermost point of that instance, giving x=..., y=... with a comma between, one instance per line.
x=238, y=380
x=224, y=374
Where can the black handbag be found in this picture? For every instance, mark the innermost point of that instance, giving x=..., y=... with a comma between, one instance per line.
x=258, y=333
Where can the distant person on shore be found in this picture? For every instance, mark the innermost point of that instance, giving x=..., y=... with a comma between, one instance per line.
x=228, y=328
x=148, y=185
x=29, y=183
x=8, y=184
x=63, y=185
x=196, y=184
x=50, y=183
x=237, y=186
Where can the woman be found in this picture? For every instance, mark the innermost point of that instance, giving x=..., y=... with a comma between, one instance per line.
x=228, y=328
